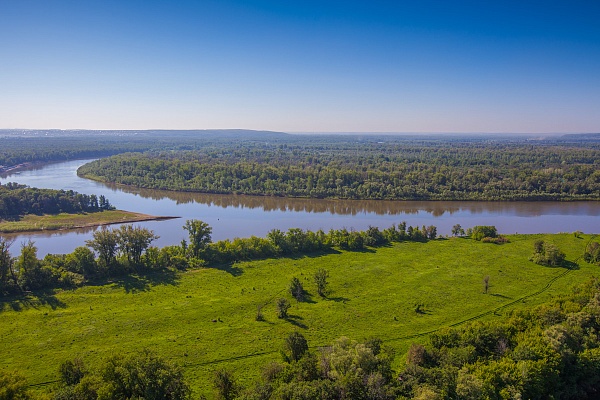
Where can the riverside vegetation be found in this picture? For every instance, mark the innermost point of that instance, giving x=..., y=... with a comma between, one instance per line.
x=25, y=209
x=396, y=313
x=392, y=170
x=200, y=309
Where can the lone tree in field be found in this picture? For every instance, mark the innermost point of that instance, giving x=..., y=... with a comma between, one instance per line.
x=199, y=232
x=296, y=345
x=486, y=284
x=283, y=305
x=296, y=289
x=321, y=280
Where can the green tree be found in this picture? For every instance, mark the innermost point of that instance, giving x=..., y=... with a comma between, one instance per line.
x=144, y=376
x=296, y=345
x=71, y=372
x=457, y=230
x=321, y=281
x=225, y=384
x=200, y=235
x=82, y=261
x=296, y=289
x=8, y=278
x=283, y=305
x=30, y=272
x=13, y=386
x=133, y=241
x=105, y=242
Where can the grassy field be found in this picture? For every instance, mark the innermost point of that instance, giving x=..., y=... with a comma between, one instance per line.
x=205, y=319
x=31, y=222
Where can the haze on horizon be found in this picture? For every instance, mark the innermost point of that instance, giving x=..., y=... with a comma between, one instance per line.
x=309, y=66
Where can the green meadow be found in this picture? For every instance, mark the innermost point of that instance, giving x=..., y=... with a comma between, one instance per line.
x=206, y=319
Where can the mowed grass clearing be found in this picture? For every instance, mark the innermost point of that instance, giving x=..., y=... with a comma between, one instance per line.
x=205, y=319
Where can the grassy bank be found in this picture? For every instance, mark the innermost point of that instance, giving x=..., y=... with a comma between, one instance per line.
x=205, y=319
x=31, y=223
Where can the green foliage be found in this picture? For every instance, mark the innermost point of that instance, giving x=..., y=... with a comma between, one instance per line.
x=200, y=235
x=402, y=169
x=295, y=345
x=224, y=383
x=457, y=230
x=296, y=289
x=17, y=200
x=546, y=253
x=320, y=278
x=592, y=253
x=481, y=232
x=13, y=386
x=171, y=312
x=283, y=305
x=143, y=375
x=71, y=372
x=105, y=242
x=133, y=241
x=523, y=355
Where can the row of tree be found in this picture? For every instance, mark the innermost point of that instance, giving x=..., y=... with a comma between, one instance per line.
x=117, y=252
x=17, y=200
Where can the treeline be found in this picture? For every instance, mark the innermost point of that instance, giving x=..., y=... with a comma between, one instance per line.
x=18, y=200
x=394, y=170
x=128, y=250
x=23, y=146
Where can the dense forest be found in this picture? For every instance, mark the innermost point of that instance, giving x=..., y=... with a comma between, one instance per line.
x=18, y=200
x=28, y=146
x=392, y=169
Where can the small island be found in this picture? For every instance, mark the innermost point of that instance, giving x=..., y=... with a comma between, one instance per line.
x=25, y=209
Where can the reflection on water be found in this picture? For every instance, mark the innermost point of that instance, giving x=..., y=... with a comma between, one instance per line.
x=379, y=207
x=242, y=216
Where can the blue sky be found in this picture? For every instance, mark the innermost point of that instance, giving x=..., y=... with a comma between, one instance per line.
x=301, y=66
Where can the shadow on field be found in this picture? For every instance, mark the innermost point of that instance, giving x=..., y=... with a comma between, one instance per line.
x=338, y=299
x=230, y=268
x=570, y=265
x=501, y=296
x=143, y=283
x=35, y=300
x=316, y=254
x=296, y=320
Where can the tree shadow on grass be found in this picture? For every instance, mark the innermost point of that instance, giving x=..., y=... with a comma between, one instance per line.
x=296, y=320
x=144, y=282
x=570, y=265
x=316, y=254
x=338, y=299
x=500, y=295
x=230, y=268
x=37, y=299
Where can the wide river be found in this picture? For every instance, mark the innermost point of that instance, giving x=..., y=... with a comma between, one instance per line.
x=233, y=216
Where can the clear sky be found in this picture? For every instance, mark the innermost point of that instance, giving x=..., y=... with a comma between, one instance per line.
x=301, y=66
